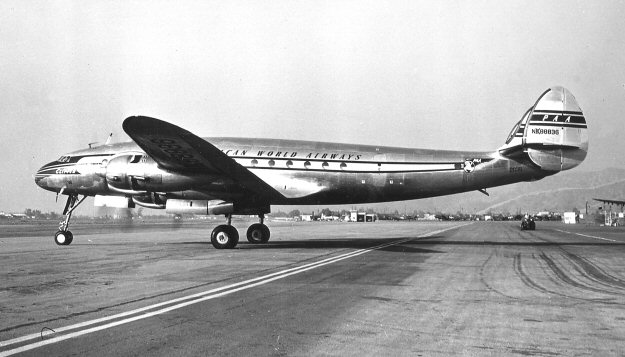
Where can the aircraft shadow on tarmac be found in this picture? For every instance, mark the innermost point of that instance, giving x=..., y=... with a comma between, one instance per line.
x=410, y=246
x=354, y=243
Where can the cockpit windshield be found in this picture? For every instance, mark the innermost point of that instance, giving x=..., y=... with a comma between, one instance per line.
x=64, y=158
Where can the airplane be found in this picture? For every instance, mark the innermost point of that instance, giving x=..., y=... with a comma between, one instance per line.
x=167, y=167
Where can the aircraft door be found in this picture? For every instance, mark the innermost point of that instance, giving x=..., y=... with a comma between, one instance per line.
x=379, y=178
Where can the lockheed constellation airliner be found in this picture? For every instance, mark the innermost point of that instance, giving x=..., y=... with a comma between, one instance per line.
x=167, y=167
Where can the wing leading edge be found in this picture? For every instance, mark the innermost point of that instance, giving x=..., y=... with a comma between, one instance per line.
x=179, y=150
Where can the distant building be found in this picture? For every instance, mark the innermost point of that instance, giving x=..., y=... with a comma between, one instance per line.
x=371, y=217
x=569, y=218
x=356, y=216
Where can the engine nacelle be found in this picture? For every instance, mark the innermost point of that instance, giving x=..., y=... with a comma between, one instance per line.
x=135, y=174
x=125, y=172
x=153, y=200
x=201, y=207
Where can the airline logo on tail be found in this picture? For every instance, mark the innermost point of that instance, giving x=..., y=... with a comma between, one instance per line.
x=552, y=133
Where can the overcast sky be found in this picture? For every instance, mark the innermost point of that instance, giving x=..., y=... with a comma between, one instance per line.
x=435, y=74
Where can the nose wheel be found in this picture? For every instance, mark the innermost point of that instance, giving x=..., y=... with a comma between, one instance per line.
x=63, y=236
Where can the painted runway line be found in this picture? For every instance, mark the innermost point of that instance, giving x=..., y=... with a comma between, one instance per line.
x=587, y=236
x=174, y=304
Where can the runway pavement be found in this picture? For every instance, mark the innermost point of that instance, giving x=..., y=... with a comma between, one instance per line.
x=384, y=288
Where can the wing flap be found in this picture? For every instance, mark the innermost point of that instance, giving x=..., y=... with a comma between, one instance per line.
x=179, y=150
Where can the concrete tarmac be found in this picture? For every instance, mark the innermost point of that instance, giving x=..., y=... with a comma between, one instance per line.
x=384, y=288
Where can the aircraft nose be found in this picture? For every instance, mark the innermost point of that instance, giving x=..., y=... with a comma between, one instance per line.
x=42, y=174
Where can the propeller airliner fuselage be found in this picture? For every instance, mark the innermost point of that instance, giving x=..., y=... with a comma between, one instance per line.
x=167, y=167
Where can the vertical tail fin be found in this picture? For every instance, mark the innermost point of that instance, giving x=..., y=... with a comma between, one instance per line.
x=553, y=133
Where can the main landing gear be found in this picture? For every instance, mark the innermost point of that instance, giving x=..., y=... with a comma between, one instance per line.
x=64, y=236
x=258, y=232
x=225, y=236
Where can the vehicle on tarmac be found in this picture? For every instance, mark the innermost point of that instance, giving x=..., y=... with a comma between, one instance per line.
x=528, y=223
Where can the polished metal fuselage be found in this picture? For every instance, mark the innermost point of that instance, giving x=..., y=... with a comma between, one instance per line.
x=303, y=172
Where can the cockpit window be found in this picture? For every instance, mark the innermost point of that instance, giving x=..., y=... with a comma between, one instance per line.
x=63, y=158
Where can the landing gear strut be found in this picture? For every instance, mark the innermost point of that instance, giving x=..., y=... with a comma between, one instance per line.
x=225, y=236
x=64, y=236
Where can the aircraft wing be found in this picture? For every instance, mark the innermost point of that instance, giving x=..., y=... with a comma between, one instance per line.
x=612, y=202
x=176, y=149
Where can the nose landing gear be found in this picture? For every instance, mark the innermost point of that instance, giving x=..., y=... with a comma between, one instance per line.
x=63, y=236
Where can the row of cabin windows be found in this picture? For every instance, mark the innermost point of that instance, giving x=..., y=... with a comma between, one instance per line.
x=307, y=164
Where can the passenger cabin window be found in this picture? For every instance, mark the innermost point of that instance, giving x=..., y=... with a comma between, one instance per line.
x=289, y=163
x=307, y=164
x=343, y=166
x=272, y=163
x=325, y=165
x=254, y=162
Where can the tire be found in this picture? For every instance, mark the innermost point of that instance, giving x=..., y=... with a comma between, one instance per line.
x=258, y=233
x=63, y=238
x=266, y=233
x=224, y=237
